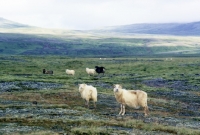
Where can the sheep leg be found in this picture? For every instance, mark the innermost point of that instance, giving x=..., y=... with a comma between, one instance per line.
x=123, y=109
x=120, y=109
x=94, y=105
x=146, y=111
x=87, y=103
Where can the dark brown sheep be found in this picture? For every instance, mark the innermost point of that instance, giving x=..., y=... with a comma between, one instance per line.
x=47, y=72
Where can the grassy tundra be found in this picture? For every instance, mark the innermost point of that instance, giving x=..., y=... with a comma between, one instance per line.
x=86, y=44
x=35, y=103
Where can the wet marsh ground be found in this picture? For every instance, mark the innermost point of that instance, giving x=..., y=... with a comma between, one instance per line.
x=36, y=103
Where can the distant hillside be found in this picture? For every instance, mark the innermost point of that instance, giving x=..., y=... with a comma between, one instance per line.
x=19, y=39
x=97, y=46
x=10, y=24
x=159, y=28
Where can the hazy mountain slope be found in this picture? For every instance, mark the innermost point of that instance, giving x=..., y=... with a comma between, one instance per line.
x=162, y=28
x=10, y=24
x=19, y=39
x=101, y=46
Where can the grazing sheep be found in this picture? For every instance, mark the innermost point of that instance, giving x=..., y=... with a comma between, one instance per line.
x=88, y=93
x=100, y=69
x=47, y=72
x=44, y=71
x=70, y=72
x=131, y=98
x=90, y=71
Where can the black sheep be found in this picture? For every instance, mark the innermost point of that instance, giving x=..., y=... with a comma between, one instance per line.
x=47, y=72
x=100, y=69
x=44, y=71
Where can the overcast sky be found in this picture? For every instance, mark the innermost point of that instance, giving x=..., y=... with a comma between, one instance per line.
x=89, y=14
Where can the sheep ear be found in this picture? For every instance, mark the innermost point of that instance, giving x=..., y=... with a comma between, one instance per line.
x=120, y=86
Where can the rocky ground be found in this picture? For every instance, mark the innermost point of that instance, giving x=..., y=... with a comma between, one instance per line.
x=180, y=105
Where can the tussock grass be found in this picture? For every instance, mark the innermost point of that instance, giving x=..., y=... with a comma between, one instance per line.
x=159, y=127
x=38, y=133
x=98, y=127
x=130, y=72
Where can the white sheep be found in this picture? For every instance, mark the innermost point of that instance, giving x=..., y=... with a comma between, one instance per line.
x=70, y=72
x=88, y=93
x=90, y=71
x=131, y=98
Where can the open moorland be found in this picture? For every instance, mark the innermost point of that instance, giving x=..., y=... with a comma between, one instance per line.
x=35, y=103
x=38, y=41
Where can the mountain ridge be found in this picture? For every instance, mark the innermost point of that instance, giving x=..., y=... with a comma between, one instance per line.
x=19, y=39
x=192, y=28
x=184, y=29
x=4, y=23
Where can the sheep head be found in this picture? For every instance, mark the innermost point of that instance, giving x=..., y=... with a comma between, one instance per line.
x=117, y=87
x=81, y=87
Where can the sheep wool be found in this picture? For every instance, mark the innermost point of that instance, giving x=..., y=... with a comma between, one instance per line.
x=70, y=72
x=90, y=71
x=88, y=93
x=131, y=98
